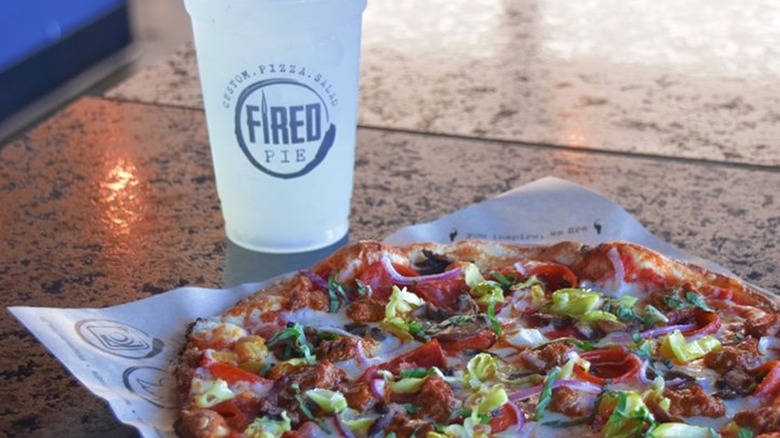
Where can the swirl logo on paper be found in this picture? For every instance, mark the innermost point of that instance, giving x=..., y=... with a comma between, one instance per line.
x=151, y=384
x=118, y=339
x=283, y=125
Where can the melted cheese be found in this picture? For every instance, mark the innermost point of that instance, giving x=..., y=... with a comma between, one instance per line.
x=525, y=337
x=210, y=330
x=317, y=319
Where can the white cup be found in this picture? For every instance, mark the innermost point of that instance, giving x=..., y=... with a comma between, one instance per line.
x=280, y=88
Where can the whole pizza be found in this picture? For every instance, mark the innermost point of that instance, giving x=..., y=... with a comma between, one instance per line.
x=479, y=339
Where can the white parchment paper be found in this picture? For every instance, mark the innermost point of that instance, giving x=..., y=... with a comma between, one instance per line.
x=123, y=353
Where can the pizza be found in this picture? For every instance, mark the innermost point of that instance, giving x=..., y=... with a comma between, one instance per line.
x=481, y=338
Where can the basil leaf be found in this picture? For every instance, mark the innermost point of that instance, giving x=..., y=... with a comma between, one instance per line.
x=625, y=314
x=468, y=352
x=619, y=414
x=281, y=335
x=505, y=281
x=307, y=412
x=545, y=398
x=644, y=351
x=744, y=433
x=417, y=373
x=653, y=317
x=364, y=290
x=491, y=314
x=295, y=340
x=327, y=336
x=333, y=301
x=582, y=345
x=460, y=413
x=698, y=301
x=459, y=320
x=336, y=294
x=673, y=300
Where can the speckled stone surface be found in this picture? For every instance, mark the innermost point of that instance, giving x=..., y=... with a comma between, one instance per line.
x=111, y=202
x=102, y=205
x=698, y=79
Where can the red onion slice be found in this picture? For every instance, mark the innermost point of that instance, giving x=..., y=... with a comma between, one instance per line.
x=316, y=279
x=677, y=381
x=520, y=424
x=578, y=385
x=526, y=393
x=403, y=280
x=378, y=388
x=652, y=333
x=361, y=356
x=643, y=373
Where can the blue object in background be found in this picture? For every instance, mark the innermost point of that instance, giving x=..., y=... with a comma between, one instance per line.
x=44, y=43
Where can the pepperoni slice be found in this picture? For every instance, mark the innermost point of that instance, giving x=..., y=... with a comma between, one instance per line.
x=615, y=364
x=376, y=276
x=426, y=355
x=707, y=323
x=554, y=275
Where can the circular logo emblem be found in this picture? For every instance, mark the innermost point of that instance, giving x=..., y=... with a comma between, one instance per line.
x=284, y=127
x=151, y=384
x=118, y=338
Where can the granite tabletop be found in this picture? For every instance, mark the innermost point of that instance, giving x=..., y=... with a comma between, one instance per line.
x=699, y=80
x=669, y=109
x=109, y=202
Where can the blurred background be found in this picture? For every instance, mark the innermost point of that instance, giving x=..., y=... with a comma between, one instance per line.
x=52, y=51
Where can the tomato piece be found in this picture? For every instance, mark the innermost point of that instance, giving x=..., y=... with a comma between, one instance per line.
x=554, y=275
x=615, y=364
x=770, y=384
x=442, y=293
x=233, y=374
x=376, y=276
x=478, y=341
x=504, y=417
x=426, y=355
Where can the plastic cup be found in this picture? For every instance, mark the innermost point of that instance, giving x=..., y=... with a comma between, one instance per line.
x=280, y=89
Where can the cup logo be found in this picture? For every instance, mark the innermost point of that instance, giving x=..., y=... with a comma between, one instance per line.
x=283, y=127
